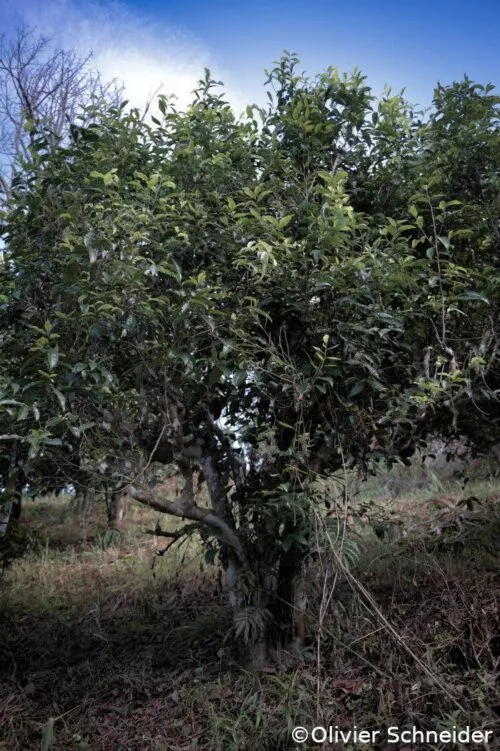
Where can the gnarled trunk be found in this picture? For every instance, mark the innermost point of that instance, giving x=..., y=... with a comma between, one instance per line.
x=272, y=599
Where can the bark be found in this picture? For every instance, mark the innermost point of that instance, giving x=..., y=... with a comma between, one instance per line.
x=10, y=513
x=217, y=489
x=233, y=584
x=257, y=655
x=116, y=503
x=5, y=516
x=288, y=607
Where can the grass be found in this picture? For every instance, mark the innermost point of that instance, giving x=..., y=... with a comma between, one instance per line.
x=107, y=646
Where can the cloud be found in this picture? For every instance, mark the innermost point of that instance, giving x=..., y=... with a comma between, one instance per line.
x=147, y=55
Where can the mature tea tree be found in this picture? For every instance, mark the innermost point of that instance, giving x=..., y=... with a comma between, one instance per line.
x=259, y=302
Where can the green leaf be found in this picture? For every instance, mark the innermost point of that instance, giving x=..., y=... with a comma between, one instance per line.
x=52, y=357
x=285, y=221
x=357, y=388
x=23, y=413
x=470, y=295
x=60, y=397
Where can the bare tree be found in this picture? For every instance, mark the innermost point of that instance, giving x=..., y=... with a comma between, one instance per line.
x=42, y=84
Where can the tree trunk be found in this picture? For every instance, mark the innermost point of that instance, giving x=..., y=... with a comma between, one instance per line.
x=258, y=654
x=116, y=502
x=289, y=605
x=10, y=509
x=5, y=516
x=276, y=601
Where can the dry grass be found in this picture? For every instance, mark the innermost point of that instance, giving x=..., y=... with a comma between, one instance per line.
x=126, y=649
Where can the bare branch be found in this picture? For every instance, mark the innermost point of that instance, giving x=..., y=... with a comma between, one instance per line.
x=40, y=84
x=221, y=528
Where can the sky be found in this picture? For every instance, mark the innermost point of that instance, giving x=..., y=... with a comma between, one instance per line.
x=150, y=44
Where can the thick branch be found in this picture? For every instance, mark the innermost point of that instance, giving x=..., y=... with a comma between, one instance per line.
x=172, y=534
x=216, y=488
x=220, y=527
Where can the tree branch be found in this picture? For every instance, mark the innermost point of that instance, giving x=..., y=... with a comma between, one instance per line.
x=221, y=528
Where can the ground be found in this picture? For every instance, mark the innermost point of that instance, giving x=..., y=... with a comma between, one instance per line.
x=110, y=647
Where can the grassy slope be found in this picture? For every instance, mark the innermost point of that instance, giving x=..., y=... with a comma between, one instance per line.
x=126, y=649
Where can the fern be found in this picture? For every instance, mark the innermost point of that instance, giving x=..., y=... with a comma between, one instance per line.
x=250, y=624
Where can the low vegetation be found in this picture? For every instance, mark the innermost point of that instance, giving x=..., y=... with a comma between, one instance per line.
x=108, y=645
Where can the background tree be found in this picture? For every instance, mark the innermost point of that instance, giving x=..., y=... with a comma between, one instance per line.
x=42, y=89
x=40, y=84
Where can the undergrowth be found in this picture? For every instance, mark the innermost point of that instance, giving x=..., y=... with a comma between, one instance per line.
x=110, y=647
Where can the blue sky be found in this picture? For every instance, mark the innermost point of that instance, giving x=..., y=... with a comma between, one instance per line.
x=153, y=43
